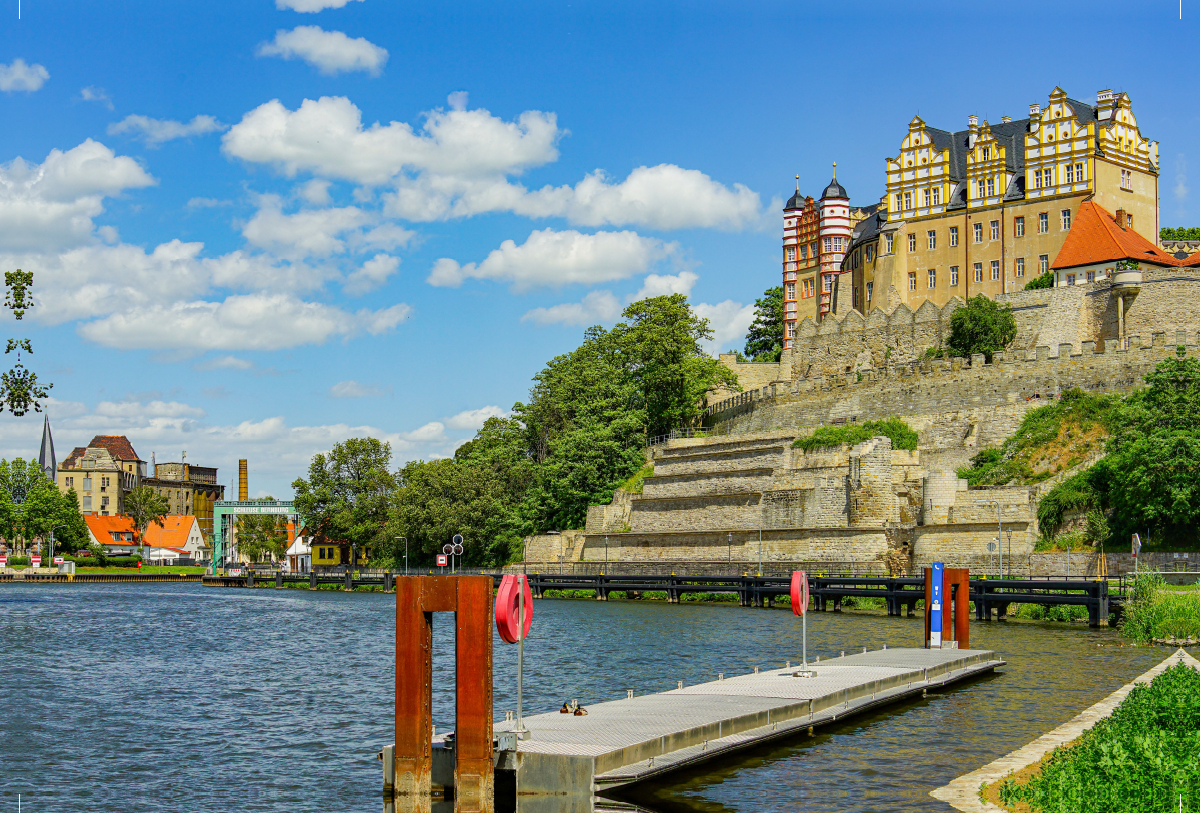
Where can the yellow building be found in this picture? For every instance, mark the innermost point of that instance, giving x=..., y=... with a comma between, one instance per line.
x=986, y=209
x=102, y=473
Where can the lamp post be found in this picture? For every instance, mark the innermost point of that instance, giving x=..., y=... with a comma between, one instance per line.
x=760, y=550
x=405, y=538
x=1000, y=534
x=729, y=551
x=606, y=551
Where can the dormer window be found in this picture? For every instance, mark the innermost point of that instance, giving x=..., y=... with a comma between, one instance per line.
x=985, y=154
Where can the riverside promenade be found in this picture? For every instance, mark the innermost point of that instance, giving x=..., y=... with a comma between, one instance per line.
x=634, y=739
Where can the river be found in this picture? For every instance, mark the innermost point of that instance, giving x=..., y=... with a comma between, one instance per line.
x=155, y=697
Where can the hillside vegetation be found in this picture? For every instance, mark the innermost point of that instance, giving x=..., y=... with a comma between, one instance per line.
x=1050, y=439
x=902, y=435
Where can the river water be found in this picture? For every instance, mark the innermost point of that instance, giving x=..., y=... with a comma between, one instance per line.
x=130, y=698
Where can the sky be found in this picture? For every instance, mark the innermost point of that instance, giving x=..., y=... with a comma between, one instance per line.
x=260, y=227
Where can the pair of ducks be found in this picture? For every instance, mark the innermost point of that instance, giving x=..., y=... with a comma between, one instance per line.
x=573, y=708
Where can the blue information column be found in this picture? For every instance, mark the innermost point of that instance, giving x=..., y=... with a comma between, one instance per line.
x=936, y=603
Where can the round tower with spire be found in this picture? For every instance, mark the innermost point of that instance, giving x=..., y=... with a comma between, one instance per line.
x=835, y=231
x=801, y=225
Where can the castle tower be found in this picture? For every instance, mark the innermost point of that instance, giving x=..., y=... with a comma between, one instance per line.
x=835, y=231
x=801, y=225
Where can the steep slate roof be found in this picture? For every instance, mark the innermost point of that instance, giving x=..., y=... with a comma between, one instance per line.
x=796, y=201
x=835, y=190
x=1095, y=237
x=118, y=446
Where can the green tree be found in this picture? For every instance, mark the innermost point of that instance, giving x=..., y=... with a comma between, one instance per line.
x=981, y=326
x=19, y=388
x=145, y=507
x=31, y=506
x=262, y=536
x=1045, y=280
x=346, y=497
x=764, y=340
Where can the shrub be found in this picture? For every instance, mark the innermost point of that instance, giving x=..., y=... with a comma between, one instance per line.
x=1041, y=281
x=108, y=561
x=901, y=434
x=1154, y=613
x=981, y=326
x=18, y=561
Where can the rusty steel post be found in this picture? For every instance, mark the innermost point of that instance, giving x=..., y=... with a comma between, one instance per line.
x=414, y=698
x=961, y=576
x=473, y=785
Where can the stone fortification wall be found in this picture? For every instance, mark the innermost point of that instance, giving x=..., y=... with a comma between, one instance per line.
x=742, y=547
x=752, y=375
x=549, y=547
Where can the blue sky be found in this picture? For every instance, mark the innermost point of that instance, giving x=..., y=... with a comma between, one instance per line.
x=259, y=227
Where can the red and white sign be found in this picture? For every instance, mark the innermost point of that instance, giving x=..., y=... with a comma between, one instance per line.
x=443, y=560
x=3, y=561
x=60, y=560
x=799, y=592
x=36, y=561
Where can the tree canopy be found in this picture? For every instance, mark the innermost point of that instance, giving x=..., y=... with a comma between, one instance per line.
x=262, y=536
x=981, y=326
x=346, y=496
x=1045, y=280
x=764, y=340
x=145, y=507
x=31, y=506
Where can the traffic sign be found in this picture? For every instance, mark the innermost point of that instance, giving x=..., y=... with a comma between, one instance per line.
x=59, y=560
x=457, y=540
x=443, y=559
x=447, y=549
x=3, y=561
x=458, y=550
x=36, y=561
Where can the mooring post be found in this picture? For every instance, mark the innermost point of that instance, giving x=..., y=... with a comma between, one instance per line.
x=279, y=579
x=312, y=580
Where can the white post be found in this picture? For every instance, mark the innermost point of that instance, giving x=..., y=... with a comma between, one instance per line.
x=521, y=582
x=804, y=638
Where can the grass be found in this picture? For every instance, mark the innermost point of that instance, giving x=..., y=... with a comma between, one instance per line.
x=1155, y=612
x=1050, y=612
x=151, y=569
x=633, y=485
x=902, y=435
x=1050, y=439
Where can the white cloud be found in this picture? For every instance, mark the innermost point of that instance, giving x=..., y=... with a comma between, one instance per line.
x=52, y=204
x=95, y=94
x=257, y=321
x=557, y=258
x=22, y=76
x=331, y=52
x=431, y=432
x=597, y=307
x=309, y=6
x=207, y=203
x=157, y=131
x=308, y=233
x=226, y=363
x=152, y=409
x=664, y=284
x=729, y=321
x=472, y=419
x=372, y=274
x=353, y=389
x=316, y=192
x=326, y=137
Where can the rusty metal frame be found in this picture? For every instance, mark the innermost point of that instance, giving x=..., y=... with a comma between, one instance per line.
x=956, y=587
x=470, y=599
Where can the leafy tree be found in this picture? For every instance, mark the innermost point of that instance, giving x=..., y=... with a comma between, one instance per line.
x=346, y=497
x=1045, y=280
x=262, y=536
x=19, y=388
x=31, y=506
x=981, y=326
x=145, y=507
x=764, y=340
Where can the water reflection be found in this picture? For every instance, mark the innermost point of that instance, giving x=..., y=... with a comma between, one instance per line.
x=130, y=698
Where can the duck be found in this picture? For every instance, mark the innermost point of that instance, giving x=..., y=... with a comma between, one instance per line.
x=580, y=711
x=566, y=709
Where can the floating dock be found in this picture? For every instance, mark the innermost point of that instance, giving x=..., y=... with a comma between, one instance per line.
x=621, y=742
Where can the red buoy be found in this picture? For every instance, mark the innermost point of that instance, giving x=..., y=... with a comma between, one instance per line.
x=799, y=592
x=506, y=608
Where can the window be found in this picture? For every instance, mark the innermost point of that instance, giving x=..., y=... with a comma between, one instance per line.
x=1048, y=177
x=87, y=503
x=1069, y=174
x=1079, y=173
x=70, y=481
x=1066, y=219
x=977, y=230
x=982, y=189
x=104, y=481
x=1070, y=279
x=912, y=280
x=104, y=502
x=1091, y=276
x=827, y=283
x=954, y=235
x=1128, y=220
x=1043, y=263
x=87, y=483
x=1020, y=266
x=1126, y=179
x=932, y=277
x=791, y=253
x=927, y=195
x=985, y=154
x=991, y=187
x=979, y=272
x=870, y=253
x=804, y=252
x=1019, y=226
x=869, y=286
x=837, y=244
x=828, y=245
x=809, y=288
x=995, y=230
x=912, y=242
x=855, y=297
x=953, y=275
x=812, y=251
x=1043, y=222
x=995, y=269
x=791, y=290
x=908, y=200
x=1037, y=179
x=888, y=242
x=931, y=236
x=790, y=276
x=937, y=196
x=899, y=202
x=791, y=330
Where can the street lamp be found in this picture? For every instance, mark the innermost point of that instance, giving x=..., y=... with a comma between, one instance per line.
x=405, y=538
x=1000, y=534
x=729, y=551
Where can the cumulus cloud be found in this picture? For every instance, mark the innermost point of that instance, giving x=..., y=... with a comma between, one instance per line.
x=257, y=321
x=316, y=192
x=473, y=419
x=729, y=321
x=371, y=274
x=596, y=307
x=20, y=76
x=91, y=93
x=330, y=52
x=326, y=137
x=157, y=131
x=665, y=284
x=353, y=389
x=52, y=204
x=307, y=233
x=557, y=258
x=309, y=6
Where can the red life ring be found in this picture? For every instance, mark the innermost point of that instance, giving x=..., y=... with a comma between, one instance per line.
x=506, y=608
x=799, y=592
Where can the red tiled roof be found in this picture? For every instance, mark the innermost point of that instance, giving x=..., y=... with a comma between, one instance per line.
x=1095, y=238
x=103, y=527
x=118, y=446
x=173, y=534
x=75, y=454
